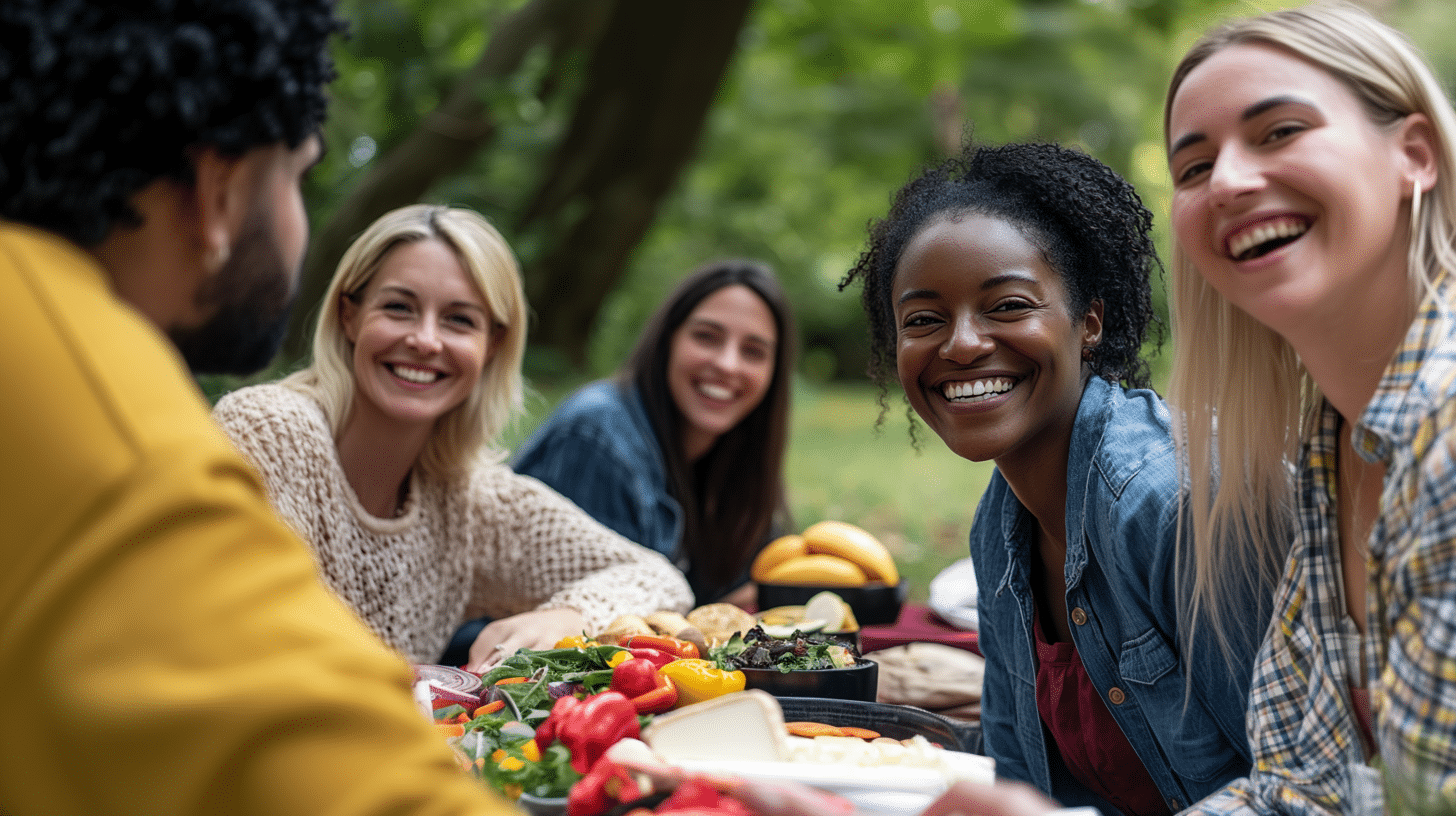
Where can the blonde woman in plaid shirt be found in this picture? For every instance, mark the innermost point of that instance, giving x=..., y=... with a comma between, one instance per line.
x=1313, y=210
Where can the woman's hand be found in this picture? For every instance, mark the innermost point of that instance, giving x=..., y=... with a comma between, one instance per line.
x=538, y=629
x=742, y=597
x=1001, y=799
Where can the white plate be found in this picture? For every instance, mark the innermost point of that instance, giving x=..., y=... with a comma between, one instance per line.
x=837, y=777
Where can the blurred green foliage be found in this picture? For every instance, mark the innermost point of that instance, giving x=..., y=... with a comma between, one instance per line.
x=830, y=106
x=834, y=104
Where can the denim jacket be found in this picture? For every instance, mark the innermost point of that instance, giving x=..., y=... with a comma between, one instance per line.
x=1122, y=484
x=599, y=450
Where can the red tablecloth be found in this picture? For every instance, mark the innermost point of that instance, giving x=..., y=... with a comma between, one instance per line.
x=916, y=623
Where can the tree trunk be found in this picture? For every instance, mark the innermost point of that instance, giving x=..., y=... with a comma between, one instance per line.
x=654, y=71
x=440, y=145
x=651, y=83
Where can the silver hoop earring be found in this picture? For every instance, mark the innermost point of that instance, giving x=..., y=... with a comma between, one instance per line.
x=1415, y=213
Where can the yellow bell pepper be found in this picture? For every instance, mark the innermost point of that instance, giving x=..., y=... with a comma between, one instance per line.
x=575, y=642
x=698, y=680
x=530, y=751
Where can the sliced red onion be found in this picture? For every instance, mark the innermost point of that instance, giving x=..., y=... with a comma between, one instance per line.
x=560, y=689
x=465, y=699
x=449, y=677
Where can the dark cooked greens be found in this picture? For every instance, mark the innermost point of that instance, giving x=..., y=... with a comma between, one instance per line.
x=755, y=649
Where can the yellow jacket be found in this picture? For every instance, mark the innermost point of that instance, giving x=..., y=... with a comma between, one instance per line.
x=165, y=645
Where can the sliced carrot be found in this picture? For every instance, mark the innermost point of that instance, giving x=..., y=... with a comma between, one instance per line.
x=506, y=681
x=862, y=733
x=489, y=708
x=451, y=729
x=813, y=729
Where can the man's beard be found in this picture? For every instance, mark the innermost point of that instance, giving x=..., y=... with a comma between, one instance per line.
x=253, y=293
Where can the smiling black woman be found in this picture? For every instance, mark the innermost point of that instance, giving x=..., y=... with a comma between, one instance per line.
x=1008, y=291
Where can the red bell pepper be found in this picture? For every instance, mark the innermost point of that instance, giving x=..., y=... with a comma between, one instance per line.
x=546, y=731
x=671, y=645
x=649, y=691
x=589, y=727
x=695, y=796
x=634, y=677
x=603, y=788
x=658, y=657
x=659, y=699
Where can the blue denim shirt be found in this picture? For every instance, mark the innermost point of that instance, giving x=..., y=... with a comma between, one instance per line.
x=1122, y=484
x=599, y=450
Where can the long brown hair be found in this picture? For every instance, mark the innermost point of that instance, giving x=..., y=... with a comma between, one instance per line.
x=732, y=497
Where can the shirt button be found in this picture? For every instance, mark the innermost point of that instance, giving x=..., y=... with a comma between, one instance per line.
x=1078, y=616
x=1116, y=695
x=1175, y=804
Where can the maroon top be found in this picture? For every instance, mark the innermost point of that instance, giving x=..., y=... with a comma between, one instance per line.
x=1091, y=744
x=1360, y=698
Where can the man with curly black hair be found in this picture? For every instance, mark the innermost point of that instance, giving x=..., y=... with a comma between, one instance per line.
x=1008, y=290
x=166, y=645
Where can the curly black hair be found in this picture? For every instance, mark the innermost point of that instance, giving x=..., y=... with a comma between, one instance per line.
x=1085, y=218
x=103, y=97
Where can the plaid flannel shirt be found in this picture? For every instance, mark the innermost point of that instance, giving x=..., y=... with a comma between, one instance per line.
x=1309, y=755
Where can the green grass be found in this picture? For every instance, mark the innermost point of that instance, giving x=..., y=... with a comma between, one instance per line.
x=919, y=503
x=839, y=466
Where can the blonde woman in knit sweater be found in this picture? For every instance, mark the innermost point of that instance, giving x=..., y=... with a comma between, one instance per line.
x=381, y=453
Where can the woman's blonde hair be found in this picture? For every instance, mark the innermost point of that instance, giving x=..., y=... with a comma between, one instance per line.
x=1244, y=400
x=469, y=430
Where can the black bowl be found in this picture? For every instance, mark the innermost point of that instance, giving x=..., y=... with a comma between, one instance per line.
x=893, y=721
x=857, y=682
x=873, y=604
x=538, y=806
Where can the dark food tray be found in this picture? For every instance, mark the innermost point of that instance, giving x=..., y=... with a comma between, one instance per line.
x=893, y=721
x=874, y=604
x=857, y=683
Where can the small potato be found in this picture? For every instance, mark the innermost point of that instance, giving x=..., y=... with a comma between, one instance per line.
x=667, y=622
x=624, y=627
x=695, y=636
x=719, y=622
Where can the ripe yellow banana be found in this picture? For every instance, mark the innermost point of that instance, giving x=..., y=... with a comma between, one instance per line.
x=777, y=552
x=853, y=544
x=817, y=570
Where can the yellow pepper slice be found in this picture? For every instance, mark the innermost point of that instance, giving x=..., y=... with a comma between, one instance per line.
x=698, y=680
x=530, y=751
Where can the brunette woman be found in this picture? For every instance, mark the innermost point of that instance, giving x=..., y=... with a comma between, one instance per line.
x=683, y=451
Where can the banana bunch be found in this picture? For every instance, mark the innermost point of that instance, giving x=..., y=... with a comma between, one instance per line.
x=830, y=553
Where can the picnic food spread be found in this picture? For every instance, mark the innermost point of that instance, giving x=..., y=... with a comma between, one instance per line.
x=546, y=724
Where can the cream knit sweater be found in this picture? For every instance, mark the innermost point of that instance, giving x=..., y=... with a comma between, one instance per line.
x=496, y=543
